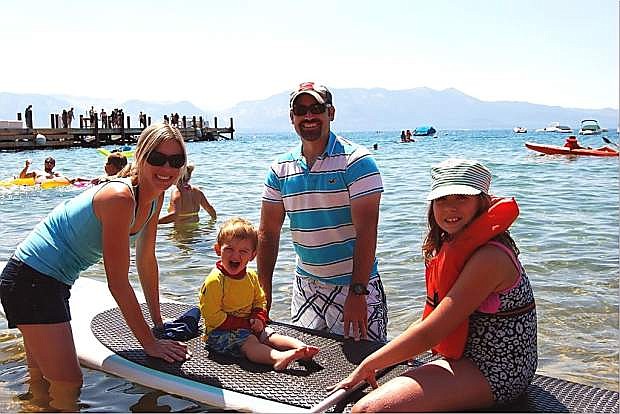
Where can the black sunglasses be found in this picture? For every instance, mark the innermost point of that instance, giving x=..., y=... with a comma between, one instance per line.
x=158, y=159
x=316, y=109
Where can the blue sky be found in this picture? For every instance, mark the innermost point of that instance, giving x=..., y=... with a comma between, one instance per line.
x=218, y=53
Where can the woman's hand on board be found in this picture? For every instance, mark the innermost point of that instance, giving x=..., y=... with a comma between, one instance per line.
x=169, y=351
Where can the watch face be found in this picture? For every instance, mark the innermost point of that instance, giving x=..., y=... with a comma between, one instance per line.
x=359, y=289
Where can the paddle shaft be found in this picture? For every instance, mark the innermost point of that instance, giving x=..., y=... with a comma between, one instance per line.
x=335, y=398
x=609, y=142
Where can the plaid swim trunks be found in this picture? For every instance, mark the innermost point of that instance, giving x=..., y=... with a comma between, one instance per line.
x=228, y=342
x=319, y=305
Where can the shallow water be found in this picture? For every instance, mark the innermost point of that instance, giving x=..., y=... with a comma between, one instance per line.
x=567, y=233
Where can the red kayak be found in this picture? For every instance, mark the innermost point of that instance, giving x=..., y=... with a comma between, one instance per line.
x=557, y=150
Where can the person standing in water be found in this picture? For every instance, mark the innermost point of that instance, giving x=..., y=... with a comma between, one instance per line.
x=100, y=222
x=185, y=202
x=330, y=188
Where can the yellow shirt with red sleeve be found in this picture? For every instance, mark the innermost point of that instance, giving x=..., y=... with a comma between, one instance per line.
x=229, y=301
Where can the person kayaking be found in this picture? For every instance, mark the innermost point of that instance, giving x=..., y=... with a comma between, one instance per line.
x=572, y=143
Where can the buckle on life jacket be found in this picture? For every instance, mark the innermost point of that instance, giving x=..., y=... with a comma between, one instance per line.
x=434, y=301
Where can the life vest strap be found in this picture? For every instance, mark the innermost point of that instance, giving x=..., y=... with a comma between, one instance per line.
x=514, y=312
x=434, y=301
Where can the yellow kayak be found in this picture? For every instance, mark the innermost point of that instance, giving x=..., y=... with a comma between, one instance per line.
x=105, y=152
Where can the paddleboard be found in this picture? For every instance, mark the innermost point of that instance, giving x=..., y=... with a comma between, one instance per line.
x=90, y=299
x=91, y=303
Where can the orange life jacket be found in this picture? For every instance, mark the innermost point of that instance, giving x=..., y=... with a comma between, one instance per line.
x=443, y=269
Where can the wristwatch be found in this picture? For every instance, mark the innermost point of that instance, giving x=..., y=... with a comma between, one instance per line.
x=359, y=289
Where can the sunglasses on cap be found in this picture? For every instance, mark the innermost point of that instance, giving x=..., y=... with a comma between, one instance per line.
x=158, y=159
x=316, y=109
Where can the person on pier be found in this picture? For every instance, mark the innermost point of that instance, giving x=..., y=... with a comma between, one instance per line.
x=28, y=116
x=70, y=117
x=64, y=118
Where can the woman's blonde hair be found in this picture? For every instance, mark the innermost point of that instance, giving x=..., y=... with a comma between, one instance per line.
x=237, y=228
x=149, y=139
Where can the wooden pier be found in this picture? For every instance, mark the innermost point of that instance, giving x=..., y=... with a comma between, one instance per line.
x=15, y=139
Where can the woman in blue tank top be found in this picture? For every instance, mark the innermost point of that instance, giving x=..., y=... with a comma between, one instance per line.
x=100, y=222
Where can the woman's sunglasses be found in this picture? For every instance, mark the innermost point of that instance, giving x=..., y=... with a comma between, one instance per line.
x=316, y=109
x=158, y=159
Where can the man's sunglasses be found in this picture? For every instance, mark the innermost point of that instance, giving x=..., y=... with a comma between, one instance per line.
x=316, y=109
x=158, y=159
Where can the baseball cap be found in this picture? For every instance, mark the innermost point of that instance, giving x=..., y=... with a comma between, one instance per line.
x=319, y=92
x=459, y=176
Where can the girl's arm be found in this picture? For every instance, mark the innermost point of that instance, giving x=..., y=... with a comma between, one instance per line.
x=208, y=207
x=485, y=272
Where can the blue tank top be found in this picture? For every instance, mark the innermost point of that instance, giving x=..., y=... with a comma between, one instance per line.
x=68, y=240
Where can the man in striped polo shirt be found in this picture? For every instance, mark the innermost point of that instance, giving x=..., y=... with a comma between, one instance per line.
x=330, y=189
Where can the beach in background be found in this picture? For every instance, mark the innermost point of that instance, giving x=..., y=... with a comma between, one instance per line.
x=567, y=232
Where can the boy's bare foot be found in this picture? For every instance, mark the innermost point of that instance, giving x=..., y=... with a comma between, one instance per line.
x=310, y=351
x=306, y=352
x=288, y=357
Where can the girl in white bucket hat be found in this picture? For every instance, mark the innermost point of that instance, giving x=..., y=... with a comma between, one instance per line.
x=479, y=317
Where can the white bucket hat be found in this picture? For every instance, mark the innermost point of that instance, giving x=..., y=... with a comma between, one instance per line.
x=458, y=176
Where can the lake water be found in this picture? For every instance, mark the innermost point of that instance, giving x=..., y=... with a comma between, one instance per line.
x=568, y=233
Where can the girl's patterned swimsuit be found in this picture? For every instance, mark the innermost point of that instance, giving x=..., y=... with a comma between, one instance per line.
x=503, y=344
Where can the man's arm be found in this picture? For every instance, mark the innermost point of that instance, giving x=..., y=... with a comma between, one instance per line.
x=365, y=217
x=24, y=172
x=271, y=220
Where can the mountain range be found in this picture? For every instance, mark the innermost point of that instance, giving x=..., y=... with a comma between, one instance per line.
x=357, y=109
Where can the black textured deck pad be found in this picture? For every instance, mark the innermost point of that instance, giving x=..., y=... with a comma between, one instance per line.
x=304, y=384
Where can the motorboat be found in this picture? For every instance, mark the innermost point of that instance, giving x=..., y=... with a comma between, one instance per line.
x=556, y=127
x=519, y=130
x=424, y=130
x=590, y=127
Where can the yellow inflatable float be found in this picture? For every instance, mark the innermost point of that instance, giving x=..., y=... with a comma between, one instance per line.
x=126, y=153
x=16, y=181
x=45, y=183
